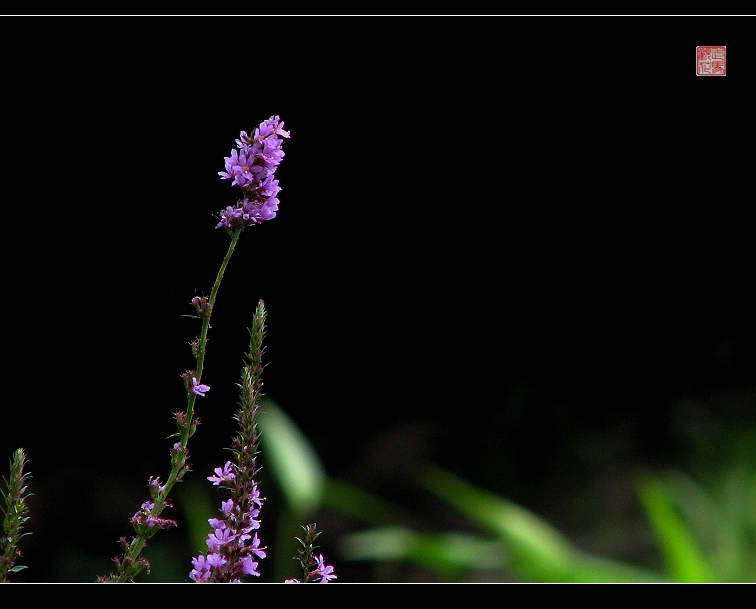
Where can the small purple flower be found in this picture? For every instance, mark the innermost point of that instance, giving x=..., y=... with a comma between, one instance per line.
x=154, y=482
x=199, y=389
x=201, y=571
x=256, y=549
x=221, y=537
x=249, y=566
x=204, y=566
x=324, y=571
x=223, y=475
x=145, y=517
x=255, y=496
x=216, y=560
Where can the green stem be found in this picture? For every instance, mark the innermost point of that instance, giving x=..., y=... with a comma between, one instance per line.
x=203, y=334
x=137, y=544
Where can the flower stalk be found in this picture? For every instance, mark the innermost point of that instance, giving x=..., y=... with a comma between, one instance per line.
x=314, y=569
x=233, y=544
x=14, y=515
x=252, y=168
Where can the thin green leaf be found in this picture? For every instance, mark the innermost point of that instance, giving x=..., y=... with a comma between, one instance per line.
x=362, y=505
x=443, y=553
x=294, y=463
x=539, y=552
x=683, y=556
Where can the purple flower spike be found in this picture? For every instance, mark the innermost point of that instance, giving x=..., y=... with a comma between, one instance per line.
x=252, y=168
x=198, y=388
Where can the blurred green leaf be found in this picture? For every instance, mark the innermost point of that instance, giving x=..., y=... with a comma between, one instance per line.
x=683, y=556
x=538, y=551
x=362, y=505
x=294, y=464
x=705, y=534
x=198, y=503
x=445, y=553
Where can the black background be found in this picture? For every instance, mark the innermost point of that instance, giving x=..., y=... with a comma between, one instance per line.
x=493, y=231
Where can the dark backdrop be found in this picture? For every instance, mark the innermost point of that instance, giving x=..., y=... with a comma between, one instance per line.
x=492, y=231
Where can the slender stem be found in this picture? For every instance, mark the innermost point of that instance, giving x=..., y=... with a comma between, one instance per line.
x=135, y=548
x=203, y=334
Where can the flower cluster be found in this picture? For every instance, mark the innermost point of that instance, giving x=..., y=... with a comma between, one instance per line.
x=233, y=544
x=252, y=167
x=232, y=549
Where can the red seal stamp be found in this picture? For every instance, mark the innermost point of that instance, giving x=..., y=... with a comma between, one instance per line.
x=711, y=61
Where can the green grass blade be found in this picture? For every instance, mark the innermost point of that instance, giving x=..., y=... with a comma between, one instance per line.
x=363, y=505
x=446, y=554
x=294, y=463
x=684, y=558
x=539, y=552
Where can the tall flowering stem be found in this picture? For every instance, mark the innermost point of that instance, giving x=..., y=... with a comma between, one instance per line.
x=148, y=521
x=15, y=515
x=233, y=543
x=314, y=569
x=252, y=168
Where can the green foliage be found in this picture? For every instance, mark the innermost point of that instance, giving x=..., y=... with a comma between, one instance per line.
x=538, y=552
x=516, y=542
x=683, y=555
x=702, y=535
x=293, y=461
x=448, y=555
x=14, y=515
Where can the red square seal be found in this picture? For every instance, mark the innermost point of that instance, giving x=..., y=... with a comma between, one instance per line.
x=711, y=61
